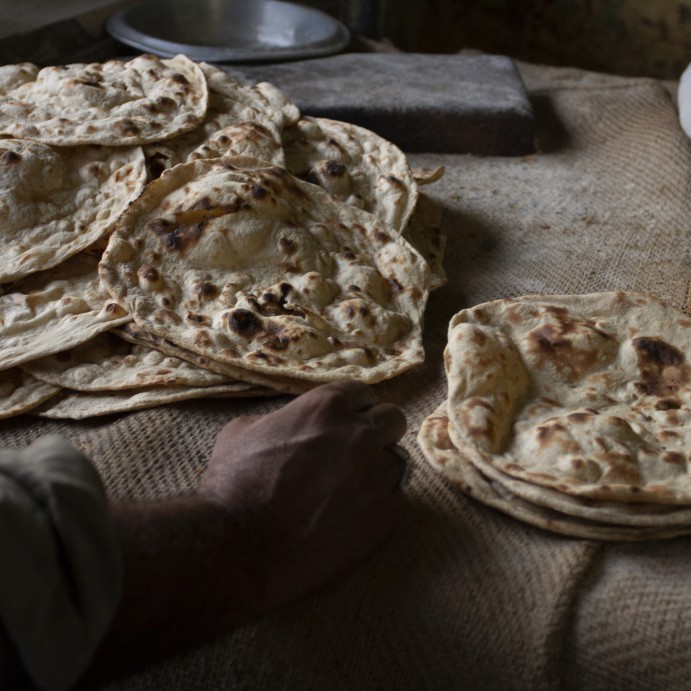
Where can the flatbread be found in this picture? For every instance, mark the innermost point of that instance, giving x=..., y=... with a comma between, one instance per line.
x=426, y=176
x=20, y=392
x=424, y=233
x=262, y=98
x=637, y=514
x=75, y=405
x=589, y=395
x=55, y=202
x=114, y=103
x=438, y=448
x=255, y=268
x=108, y=363
x=239, y=121
x=353, y=164
x=135, y=334
x=54, y=310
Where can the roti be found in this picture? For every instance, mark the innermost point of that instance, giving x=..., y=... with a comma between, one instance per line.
x=247, y=265
x=55, y=202
x=424, y=233
x=114, y=103
x=438, y=448
x=77, y=405
x=353, y=164
x=134, y=334
x=54, y=310
x=20, y=392
x=109, y=363
x=263, y=100
x=239, y=121
x=588, y=395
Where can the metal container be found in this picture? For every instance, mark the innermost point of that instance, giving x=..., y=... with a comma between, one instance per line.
x=229, y=30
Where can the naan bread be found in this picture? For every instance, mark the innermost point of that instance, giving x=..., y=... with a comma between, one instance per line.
x=252, y=267
x=426, y=176
x=13, y=76
x=134, y=334
x=589, y=395
x=424, y=233
x=55, y=310
x=116, y=103
x=75, y=405
x=263, y=100
x=240, y=121
x=109, y=363
x=55, y=202
x=354, y=165
x=20, y=392
x=436, y=444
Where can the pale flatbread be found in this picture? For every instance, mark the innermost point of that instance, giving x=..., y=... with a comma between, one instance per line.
x=426, y=176
x=20, y=392
x=589, y=395
x=263, y=98
x=75, y=405
x=115, y=103
x=257, y=269
x=424, y=233
x=109, y=363
x=239, y=121
x=353, y=164
x=442, y=454
x=638, y=514
x=55, y=310
x=135, y=334
x=55, y=202
x=13, y=76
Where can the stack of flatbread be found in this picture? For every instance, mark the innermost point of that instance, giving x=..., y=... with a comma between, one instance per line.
x=168, y=233
x=571, y=413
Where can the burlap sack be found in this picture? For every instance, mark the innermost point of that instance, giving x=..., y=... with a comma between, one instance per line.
x=463, y=597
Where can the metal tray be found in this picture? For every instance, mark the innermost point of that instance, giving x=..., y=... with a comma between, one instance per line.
x=229, y=30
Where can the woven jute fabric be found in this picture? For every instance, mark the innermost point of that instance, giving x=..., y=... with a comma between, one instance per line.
x=463, y=597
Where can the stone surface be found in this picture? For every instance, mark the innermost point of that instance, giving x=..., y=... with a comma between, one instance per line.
x=423, y=103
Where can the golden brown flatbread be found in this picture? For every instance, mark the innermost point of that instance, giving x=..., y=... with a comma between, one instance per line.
x=589, y=395
x=239, y=121
x=115, y=103
x=78, y=405
x=436, y=444
x=249, y=266
x=353, y=164
x=55, y=202
x=20, y=392
x=109, y=363
x=54, y=310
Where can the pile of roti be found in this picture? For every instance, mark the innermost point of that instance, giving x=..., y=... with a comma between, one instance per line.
x=571, y=413
x=168, y=233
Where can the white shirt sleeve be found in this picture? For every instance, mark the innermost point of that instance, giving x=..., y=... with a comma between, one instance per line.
x=684, y=100
x=60, y=565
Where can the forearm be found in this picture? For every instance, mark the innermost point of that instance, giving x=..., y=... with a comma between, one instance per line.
x=189, y=574
x=288, y=503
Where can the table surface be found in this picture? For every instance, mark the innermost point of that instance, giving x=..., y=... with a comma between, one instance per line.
x=464, y=597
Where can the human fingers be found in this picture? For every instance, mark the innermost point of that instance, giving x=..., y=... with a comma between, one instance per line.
x=353, y=395
x=405, y=470
x=387, y=424
x=395, y=470
x=234, y=427
x=388, y=421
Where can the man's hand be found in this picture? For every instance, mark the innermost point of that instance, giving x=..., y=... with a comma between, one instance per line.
x=313, y=483
x=289, y=502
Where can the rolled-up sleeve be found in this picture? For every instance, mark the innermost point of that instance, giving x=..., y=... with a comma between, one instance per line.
x=60, y=566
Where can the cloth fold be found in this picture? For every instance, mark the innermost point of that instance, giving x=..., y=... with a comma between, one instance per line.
x=62, y=587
